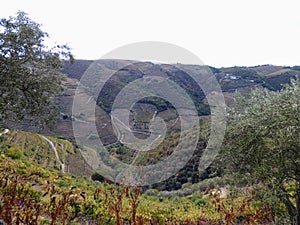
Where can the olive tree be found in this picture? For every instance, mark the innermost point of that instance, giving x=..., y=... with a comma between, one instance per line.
x=262, y=143
x=29, y=72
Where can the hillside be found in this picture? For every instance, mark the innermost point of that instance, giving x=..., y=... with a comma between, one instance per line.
x=231, y=79
x=45, y=171
x=48, y=152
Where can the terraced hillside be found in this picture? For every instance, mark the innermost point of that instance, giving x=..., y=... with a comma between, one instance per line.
x=232, y=79
x=49, y=152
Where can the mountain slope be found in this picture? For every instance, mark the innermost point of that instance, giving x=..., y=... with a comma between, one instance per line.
x=48, y=152
x=231, y=79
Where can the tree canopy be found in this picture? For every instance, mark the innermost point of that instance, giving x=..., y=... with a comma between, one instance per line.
x=263, y=143
x=29, y=72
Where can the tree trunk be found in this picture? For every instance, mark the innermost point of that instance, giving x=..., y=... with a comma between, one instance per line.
x=297, y=220
x=291, y=209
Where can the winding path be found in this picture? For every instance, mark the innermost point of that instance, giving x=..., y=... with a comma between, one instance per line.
x=62, y=166
x=4, y=132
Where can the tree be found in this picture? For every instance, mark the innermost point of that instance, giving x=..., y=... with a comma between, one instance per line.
x=263, y=143
x=29, y=72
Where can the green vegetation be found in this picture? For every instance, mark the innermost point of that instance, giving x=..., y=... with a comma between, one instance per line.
x=25, y=145
x=32, y=195
x=29, y=71
x=262, y=145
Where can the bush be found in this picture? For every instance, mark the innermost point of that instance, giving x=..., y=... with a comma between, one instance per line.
x=97, y=177
x=14, y=153
x=200, y=202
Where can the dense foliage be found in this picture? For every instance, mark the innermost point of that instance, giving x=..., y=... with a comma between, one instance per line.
x=29, y=72
x=263, y=143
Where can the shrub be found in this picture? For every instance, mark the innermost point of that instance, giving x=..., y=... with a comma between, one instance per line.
x=97, y=177
x=14, y=153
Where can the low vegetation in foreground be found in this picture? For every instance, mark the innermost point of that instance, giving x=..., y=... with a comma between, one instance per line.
x=30, y=194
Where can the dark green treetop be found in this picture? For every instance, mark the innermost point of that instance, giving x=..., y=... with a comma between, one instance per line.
x=29, y=72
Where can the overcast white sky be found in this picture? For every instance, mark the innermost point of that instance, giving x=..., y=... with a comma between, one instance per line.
x=219, y=32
